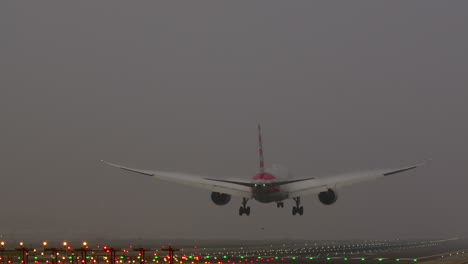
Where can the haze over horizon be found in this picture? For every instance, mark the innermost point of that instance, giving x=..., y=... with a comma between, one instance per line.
x=337, y=86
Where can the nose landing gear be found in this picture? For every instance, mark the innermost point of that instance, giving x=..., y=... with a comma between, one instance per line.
x=280, y=204
x=244, y=209
x=297, y=209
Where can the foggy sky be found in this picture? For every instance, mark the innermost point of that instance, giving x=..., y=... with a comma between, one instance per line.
x=337, y=86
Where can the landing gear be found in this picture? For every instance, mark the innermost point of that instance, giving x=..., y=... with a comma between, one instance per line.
x=244, y=209
x=297, y=209
x=280, y=204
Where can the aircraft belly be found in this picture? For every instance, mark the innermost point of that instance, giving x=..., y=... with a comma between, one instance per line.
x=270, y=197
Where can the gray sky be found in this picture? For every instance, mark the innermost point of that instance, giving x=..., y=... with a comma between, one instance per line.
x=338, y=86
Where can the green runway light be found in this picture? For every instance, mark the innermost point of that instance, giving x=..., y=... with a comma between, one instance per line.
x=345, y=258
x=19, y=257
x=207, y=257
x=311, y=258
x=35, y=257
x=224, y=256
x=121, y=257
x=380, y=259
x=70, y=257
x=363, y=259
x=328, y=258
x=276, y=257
x=397, y=259
x=156, y=257
x=87, y=257
x=415, y=260
x=259, y=257
x=242, y=257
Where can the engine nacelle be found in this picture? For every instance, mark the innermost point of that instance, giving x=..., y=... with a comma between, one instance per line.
x=220, y=198
x=329, y=197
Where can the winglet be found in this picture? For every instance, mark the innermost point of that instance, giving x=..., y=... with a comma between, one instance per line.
x=403, y=169
x=144, y=172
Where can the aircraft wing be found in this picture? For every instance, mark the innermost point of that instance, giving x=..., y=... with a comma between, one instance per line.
x=315, y=186
x=192, y=180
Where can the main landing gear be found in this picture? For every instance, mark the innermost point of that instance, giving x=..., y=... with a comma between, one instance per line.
x=280, y=204
x=297, y=209
x=244, y=209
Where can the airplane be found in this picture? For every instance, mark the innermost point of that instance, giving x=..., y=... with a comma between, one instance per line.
x=269, y=185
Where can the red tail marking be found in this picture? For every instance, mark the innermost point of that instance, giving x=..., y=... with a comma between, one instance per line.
x=264, y=176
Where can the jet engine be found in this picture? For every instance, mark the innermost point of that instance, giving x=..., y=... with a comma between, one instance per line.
x=220, y=198
x=329, y=197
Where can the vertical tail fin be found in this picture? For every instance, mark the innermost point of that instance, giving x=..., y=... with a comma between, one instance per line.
x=260, y=150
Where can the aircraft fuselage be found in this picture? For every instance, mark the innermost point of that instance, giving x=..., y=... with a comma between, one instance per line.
x=268, y=194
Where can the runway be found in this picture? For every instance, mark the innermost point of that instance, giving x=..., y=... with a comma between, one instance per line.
x=385, y=251
x=451, y=250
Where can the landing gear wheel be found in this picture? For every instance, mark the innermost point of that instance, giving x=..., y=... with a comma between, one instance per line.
x=294, y=210
x=280, y=204
x=244, y=209
x=301, y=210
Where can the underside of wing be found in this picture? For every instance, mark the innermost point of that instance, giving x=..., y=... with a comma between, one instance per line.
x=192, y=180
x=323, y=184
